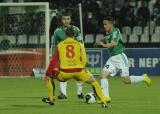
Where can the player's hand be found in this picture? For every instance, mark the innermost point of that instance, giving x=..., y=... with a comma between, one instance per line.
x=99, y=44
x=46, y=79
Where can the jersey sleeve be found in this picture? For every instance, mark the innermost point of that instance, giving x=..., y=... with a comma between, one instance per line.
x=54, y=41
x=116, y=35
x=78, y=35
x=83, y=55
x=54, y=64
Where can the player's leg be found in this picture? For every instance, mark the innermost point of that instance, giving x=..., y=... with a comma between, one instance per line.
x=108, y=70
x=98, y=91
x=63, y=88
x=135, y=79
x=51, y=88
x=123, y=65
x=63, y=77
x=86, y=76
x=104, y=82
x=79, y=90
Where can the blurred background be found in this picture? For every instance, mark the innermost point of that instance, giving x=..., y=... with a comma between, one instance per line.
x=138, y=20
x=23, y=30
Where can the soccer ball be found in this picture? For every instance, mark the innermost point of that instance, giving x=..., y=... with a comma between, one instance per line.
x=90, y=98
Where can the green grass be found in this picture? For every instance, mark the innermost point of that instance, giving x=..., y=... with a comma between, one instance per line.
x=23, y=96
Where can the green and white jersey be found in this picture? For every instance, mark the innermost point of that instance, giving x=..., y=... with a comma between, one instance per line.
x=60, y=35
x=116, y=36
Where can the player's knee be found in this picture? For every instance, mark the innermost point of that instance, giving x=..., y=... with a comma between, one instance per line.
x=104, y=74
x=92, y=79
x=126, y=80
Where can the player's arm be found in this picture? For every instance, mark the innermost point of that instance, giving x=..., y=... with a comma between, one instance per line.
x=113, y=42
x=54, y=64
x=98, y=44
x=54, y=42
x=109, y=45
x=83, y=55
x=78, y=35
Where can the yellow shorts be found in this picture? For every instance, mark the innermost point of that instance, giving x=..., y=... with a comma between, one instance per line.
x=82, y=76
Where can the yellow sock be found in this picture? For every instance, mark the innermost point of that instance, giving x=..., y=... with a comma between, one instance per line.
x=51, y=88
x=98, y=91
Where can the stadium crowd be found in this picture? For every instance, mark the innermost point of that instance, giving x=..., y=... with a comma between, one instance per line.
x=126, y=12
x=143, y=14
x=140, y=17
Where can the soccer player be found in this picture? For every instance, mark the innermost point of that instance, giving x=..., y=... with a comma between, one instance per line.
x=59, y=35
x=118, y=61
x=70, y=59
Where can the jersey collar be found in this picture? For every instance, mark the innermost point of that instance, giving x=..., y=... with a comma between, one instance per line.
x=108, y=33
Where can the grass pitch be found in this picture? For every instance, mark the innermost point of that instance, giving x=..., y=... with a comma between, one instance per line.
x=23, y=96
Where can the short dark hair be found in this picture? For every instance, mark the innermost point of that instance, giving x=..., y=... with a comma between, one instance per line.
x=66, y=12
x=70, y=31
x=109, y=18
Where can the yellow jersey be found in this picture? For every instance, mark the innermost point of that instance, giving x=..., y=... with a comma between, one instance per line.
x=72, y=54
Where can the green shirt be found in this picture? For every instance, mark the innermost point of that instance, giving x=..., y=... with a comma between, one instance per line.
x=116, y=36
x=60, y=35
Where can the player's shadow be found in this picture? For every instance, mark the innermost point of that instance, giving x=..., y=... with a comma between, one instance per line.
x=29, y=106
x=4, y=109
x=19, y=106
x=22, y=107
x=19, y=97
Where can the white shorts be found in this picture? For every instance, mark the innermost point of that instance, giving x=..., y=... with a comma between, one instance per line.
x=117, y=63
